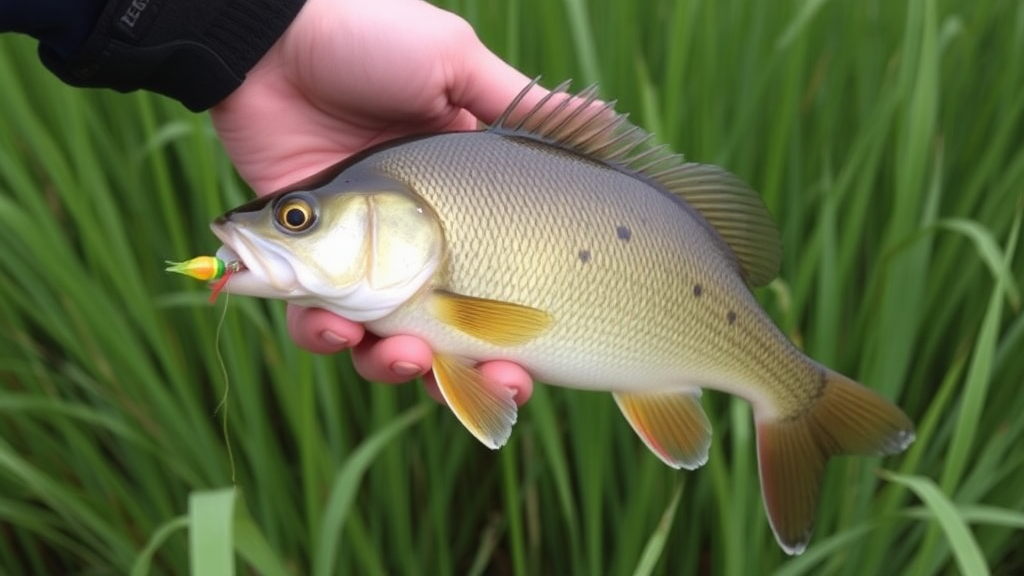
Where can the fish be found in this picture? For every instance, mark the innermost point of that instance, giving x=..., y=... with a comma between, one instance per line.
x=560, y=238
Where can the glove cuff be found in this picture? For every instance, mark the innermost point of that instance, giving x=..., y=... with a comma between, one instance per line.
x=195, y=51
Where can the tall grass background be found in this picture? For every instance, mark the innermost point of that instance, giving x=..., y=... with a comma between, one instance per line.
x=886, y=137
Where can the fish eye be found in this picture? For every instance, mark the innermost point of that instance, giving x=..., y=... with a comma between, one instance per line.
x=295, y=214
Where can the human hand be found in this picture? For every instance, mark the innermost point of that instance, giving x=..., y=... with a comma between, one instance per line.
x=348, y=74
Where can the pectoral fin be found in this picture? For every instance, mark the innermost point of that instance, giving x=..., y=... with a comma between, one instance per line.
x=486, y=409
x=672, y=424
x=493, y=321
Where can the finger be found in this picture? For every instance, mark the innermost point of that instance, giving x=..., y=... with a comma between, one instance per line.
x=485, y=85
x=511, y=376
x=430, y=385
x=488, y=85
x=320, y=331
x=507, y=374
x=392, y=360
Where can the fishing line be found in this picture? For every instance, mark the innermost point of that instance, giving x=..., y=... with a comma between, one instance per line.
x=211, y=268
x=227, y=381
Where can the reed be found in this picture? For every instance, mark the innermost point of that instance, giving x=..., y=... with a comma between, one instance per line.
x=886, y=137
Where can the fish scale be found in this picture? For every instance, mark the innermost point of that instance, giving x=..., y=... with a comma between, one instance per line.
x=557, y=240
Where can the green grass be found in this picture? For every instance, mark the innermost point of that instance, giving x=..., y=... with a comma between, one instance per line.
x=886, y=137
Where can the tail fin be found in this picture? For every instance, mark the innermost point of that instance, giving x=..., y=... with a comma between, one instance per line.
x=846, y=418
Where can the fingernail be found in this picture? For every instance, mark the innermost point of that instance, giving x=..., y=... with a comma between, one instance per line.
x=333, y=339
x=403, y=368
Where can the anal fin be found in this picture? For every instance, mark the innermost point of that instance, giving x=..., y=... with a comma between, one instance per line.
x=672, y=424
x=486, y=409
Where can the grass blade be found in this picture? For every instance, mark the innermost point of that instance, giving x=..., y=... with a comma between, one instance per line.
x=252, y=545
x=989, y=252
x=965, y=548
x=210, y=530
x=144, y=560
x=346, y=484
x=656, y=543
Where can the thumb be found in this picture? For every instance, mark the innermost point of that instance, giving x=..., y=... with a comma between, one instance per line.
x=485, y=85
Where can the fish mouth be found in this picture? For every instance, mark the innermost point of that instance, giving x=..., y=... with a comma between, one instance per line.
x=256, y=269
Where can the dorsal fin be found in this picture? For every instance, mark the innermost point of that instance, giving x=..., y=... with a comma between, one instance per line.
x=592, y=128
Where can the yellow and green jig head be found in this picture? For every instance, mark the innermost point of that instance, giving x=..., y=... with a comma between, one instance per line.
x=207, y=268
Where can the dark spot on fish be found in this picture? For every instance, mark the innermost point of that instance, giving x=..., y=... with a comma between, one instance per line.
x=623, y=233
x=584, y=256
x=731, y=317
x=697, y=290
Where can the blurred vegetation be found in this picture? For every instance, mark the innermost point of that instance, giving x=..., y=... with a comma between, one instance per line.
x=887, y=138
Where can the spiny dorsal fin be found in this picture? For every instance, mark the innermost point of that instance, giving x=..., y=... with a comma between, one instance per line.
x=592, y=128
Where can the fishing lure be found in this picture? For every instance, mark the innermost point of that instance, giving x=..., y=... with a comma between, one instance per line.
x=206, y=268
x=211, y=268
